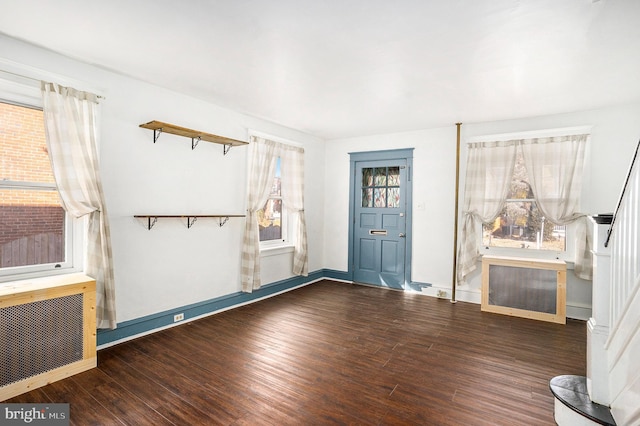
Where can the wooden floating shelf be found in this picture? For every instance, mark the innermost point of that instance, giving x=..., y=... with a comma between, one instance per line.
x=196, y=136
x=191, y=218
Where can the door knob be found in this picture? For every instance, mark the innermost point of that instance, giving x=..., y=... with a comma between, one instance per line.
x=402, y=235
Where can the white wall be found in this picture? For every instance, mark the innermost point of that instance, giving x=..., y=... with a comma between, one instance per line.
x=172, y=266
x=615, y=133
x=433, y=186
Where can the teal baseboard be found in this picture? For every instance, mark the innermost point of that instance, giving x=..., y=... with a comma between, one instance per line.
x=149, y=323
x=145, y=325
x=336, y=275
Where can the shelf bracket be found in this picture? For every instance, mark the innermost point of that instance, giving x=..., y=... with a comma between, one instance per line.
x=226, y=148
x=156, y=134
x=222, y=221
x=150, y=223
x=194, y=142
x=191, y=221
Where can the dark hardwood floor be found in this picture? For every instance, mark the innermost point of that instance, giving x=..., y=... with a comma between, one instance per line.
x=331, y=353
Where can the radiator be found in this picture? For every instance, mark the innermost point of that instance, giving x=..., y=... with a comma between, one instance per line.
x=529, y=288
x=47, y=331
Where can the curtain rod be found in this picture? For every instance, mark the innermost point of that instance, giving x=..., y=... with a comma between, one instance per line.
x=273, y=138
x=52, y=78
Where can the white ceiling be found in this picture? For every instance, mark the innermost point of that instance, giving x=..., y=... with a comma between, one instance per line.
x=339, y=68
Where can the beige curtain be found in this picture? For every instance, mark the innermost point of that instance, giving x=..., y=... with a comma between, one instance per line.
x=262, y=168
x=70, y=118
x=555, y=173
x=292, y=174
x=489, y=171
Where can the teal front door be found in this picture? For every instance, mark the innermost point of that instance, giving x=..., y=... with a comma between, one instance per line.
x=379, y=222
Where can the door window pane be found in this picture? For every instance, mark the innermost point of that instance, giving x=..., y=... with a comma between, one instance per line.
x=380, y=195
x=394, y=176
x=367, y=177
x=381, y=187
x=367, y=197
x=393, y=199
x=380, y=176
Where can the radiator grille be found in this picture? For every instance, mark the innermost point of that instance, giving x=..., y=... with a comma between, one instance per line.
x=40, y=336
x=523, y=288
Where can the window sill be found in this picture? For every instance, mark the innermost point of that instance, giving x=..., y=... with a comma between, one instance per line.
x=12, y=276
x=276, y=250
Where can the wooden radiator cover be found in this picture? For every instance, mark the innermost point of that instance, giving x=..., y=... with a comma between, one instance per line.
x=47, y=331
x=529, y=288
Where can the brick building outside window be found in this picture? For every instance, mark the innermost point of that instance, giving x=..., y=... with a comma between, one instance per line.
x=32, y=221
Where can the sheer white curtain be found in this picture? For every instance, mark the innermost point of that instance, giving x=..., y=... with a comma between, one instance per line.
x=71, y=131
x=555, y=167
x=292, y=161
x=489, y=171
x=262, y=169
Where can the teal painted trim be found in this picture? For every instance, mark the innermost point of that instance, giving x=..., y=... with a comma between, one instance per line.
x=336, y=275
x=149, y=323
x=152, y=322
x=418, y=286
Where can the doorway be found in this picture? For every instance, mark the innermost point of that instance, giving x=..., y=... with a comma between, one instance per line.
x=380, y=218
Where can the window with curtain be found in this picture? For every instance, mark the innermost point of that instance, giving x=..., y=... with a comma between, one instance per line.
x=267, y=160
x=36, y=234
x=521, y=224
x=515, y=208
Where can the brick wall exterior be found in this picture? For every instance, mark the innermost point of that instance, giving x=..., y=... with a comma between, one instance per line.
x=23, y=221
x=23, y=154
x=24, y=157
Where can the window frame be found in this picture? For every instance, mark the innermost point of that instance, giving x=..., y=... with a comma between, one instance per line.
x=29, y=97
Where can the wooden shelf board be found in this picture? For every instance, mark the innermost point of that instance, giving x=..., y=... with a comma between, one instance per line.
x=188, y=215
x=189, y=133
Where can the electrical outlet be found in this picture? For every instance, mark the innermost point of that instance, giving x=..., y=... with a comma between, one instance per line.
x=178, y=317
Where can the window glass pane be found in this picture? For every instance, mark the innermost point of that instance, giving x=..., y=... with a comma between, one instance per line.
x=23, y=149
x=269, y=220
x=380, y=196
x=393, y=199
x=31, y=228
x=521, y=225
x=367, y=197
x=394, y=176
x=367, y=177
x=380, y=176
x=276, y=187
x=32, y=221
